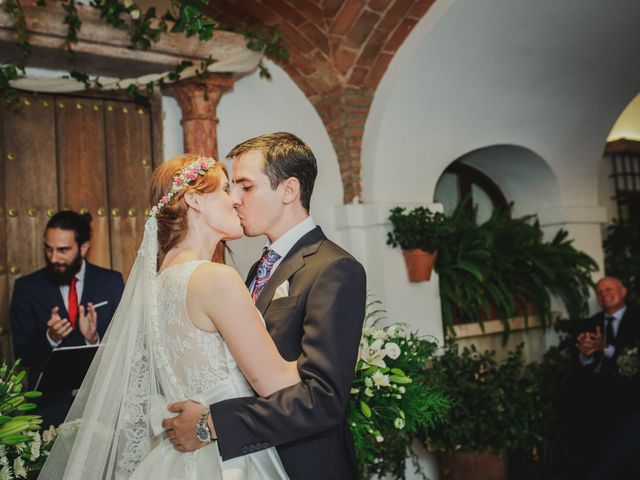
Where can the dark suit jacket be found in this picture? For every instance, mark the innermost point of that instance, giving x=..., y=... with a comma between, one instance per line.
x=603, y=391
x=320, y=325
x=33, y=298
x=628, y=335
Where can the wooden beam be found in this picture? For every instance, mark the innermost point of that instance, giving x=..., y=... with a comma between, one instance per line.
x=102, y=49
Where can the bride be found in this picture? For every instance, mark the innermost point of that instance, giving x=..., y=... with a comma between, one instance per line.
x=186, y=330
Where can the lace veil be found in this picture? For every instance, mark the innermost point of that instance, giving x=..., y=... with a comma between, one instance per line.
x=107, y=431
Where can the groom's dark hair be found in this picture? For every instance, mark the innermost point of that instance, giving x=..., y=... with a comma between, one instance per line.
x=285, y=156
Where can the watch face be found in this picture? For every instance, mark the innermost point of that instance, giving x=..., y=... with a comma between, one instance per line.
x=202, y=432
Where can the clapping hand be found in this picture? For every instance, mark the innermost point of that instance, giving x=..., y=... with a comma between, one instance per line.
x=88, y=323
x=590, y=342
x=59, y=328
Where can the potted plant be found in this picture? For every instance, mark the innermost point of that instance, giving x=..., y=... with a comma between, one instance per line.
x=419, y=234
x=503, y=268
x=496, y=410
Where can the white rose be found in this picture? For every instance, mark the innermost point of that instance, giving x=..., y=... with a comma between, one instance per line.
x=379, y=438
x=393, y=350
x=135, y=14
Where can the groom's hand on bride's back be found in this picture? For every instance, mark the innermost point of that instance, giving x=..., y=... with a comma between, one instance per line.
x=181, y=429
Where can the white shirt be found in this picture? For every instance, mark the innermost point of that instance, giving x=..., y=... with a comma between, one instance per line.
x=64, y=291
x=285, y=243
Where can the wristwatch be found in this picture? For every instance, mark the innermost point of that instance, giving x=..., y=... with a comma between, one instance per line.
x=202, y=428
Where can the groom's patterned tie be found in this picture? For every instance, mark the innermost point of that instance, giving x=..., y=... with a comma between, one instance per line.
x=269, y=258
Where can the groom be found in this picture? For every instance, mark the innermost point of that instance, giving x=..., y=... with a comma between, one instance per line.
x=312, y=296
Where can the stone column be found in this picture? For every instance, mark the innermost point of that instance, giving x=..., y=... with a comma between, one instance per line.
x=198, y=100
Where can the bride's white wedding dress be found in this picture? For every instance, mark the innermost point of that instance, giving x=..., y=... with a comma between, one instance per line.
x=194, y=364
x=152, y=355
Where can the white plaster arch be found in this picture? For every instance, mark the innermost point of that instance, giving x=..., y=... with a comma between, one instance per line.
x=522, y=175
x=473, y=74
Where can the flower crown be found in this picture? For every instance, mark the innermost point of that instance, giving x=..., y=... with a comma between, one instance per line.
x=186, y=176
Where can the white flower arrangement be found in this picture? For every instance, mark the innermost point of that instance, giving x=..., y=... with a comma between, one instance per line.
x=22, y=448
x=390, y=402
x=628, y=362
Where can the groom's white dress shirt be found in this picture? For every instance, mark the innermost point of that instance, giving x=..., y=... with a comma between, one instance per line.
x=285, y=243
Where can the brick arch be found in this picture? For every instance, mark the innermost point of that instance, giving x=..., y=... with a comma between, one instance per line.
x=339, y=51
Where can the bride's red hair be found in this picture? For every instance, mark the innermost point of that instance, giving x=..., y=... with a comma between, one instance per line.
x=172, y=218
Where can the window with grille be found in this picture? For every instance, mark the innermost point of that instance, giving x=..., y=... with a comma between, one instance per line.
x=625, y=174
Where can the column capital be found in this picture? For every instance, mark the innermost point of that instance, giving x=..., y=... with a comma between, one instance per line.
x=198, y=99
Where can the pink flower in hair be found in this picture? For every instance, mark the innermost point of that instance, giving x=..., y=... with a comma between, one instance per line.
x=183, y=179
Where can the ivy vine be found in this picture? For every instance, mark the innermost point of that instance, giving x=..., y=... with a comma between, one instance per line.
x=144, y=29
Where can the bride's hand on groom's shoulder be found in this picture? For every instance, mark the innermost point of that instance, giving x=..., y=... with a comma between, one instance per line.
x=181, y=429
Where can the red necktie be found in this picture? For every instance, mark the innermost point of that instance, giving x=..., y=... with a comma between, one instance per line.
x=73, y=303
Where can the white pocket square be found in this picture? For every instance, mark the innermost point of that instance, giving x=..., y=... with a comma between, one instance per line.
x=282, y=290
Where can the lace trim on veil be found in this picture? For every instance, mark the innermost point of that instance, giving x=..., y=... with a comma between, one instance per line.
x=109, y=433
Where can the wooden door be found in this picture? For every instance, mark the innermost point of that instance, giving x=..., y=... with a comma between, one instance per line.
x=84, y=153
x=129, y=171
x=81, y=155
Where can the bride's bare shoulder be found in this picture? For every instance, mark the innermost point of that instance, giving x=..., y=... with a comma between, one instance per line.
x=218, y=276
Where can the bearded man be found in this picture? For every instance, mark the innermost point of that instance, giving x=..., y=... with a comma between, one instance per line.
x=67, y=303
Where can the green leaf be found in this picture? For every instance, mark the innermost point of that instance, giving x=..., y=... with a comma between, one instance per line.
x=471, y=268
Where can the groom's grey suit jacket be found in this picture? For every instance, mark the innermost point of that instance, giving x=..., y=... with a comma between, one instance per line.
x=319, y=324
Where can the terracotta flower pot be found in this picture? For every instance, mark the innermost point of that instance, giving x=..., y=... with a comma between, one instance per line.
x=471, y=466
x=419, y=264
